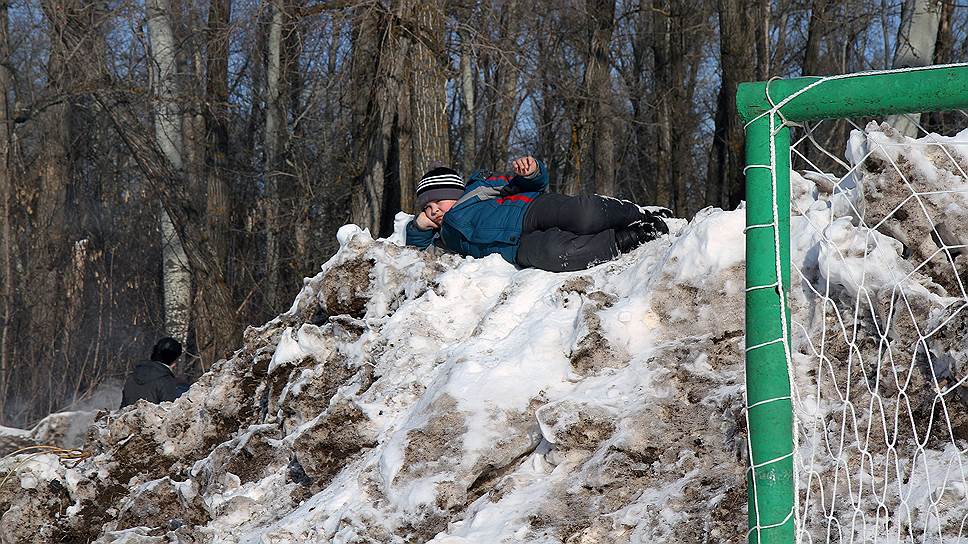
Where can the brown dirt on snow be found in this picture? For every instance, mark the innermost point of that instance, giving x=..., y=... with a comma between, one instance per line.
x=346, y=287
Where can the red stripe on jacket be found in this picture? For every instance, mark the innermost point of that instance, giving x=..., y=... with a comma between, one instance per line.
x=522, y=198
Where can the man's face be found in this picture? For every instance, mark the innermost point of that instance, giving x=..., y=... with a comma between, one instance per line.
x=435, y=210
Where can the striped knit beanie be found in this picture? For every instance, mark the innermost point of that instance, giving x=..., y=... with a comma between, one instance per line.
x=439, y=184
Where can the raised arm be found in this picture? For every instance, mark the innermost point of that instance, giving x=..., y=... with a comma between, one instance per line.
x=530, y=175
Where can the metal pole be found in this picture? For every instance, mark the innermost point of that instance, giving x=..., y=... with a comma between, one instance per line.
x=859, y=95
x=770, y=411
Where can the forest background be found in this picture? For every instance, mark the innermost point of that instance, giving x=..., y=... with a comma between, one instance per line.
x=177, y=166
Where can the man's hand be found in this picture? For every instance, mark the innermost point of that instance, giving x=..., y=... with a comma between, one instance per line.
x=525, y=166
x=424, y=222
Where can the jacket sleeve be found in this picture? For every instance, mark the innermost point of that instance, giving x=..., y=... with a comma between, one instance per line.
x=536, y=182
x=167, y=389
x=418, y=238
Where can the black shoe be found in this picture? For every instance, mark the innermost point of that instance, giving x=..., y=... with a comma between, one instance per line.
x=639, y=233
x=646, y=215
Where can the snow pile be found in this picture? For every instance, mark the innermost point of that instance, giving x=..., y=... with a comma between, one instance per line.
x=67, y=429
x=60, y=429
x=12, y=439
x=404, y=398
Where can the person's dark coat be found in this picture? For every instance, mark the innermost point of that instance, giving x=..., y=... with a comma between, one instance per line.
x=150, y=380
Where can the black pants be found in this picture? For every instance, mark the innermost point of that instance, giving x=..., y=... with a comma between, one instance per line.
x=564, y=233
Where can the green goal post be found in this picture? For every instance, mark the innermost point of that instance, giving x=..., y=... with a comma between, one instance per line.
x=767, y=109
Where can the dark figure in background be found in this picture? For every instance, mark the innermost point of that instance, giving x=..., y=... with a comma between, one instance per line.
x=154, y=380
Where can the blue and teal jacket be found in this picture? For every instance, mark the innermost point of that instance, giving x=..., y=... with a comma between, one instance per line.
x=488, y=218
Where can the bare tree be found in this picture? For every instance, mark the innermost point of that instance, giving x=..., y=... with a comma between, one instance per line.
x=762, y=26
x=429, y=134
x=944, y=44
x=6, y=261
x=500, y=82
x=665, y=98
x=275, y=141
x=598, y=76
x=376, y=72
x=177, y=275
x=725, y=180
x=593, y=146
x=214, y=334
x=944, y=53
x=468, y=104
x=217, y=136
x=547, y=85
x=48, y=252
x=638, y=77
x=816, y=30
x=916, y=39
x=676, y=60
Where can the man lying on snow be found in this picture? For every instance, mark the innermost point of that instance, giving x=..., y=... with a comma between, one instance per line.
x=513, y=216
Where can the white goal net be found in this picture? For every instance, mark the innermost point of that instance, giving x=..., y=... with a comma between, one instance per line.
x=880, y=330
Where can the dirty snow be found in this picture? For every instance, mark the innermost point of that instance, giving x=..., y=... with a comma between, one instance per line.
x=408, y=398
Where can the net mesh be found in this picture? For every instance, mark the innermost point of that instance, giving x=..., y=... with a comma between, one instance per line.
x=879, y=330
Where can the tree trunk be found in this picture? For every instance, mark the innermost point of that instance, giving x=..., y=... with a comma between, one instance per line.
x=191, y=85
x=177, y=276
x=592, y=146
x=641, y=83
x=298, y=196
x=917, y=33
x=916, y=38
x=468, y=127
x=213, y=343
x=664, y=95
x=763, y=40
x=52, y=220
x=502, y=92
x=364, y=69
x=548, y=107
x=810, y=66
x=945, y=42
x=430, y=138
x=885, y=20
x=598, y=140
x=275, y=129
x=725, y=181
x=381, y=48
x=675, y=82
x=401, y=151
x=7, y=287
x=217, y=137
x=943, y=122
x=48, y=222
x=683, y=81
x=377, y=72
